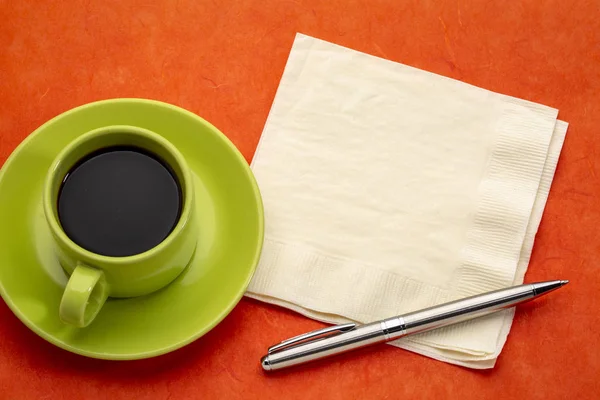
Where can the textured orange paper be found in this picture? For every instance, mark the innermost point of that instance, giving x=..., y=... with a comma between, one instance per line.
x=223, y=60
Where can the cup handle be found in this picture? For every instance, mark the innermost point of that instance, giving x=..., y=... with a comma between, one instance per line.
x=84, y=296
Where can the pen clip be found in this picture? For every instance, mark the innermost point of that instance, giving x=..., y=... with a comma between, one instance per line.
x=310, y=336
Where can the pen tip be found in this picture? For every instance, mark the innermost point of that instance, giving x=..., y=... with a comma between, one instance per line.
x=547, y=287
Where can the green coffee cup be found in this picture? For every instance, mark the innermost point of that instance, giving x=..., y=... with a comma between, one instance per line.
x=95, y=276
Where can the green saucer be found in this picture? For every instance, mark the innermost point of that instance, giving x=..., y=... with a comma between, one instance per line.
x=229, y=243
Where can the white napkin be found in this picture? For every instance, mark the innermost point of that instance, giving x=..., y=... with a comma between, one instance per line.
x=388, y=189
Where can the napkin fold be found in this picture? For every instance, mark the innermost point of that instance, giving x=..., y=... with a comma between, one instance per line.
x=388, y=189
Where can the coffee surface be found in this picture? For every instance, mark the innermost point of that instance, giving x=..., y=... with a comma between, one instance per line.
x=119, y=201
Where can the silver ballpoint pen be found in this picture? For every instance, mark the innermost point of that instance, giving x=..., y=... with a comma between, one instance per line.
x=341, y=338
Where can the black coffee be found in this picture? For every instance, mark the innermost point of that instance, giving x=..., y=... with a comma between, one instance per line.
x=119, y=201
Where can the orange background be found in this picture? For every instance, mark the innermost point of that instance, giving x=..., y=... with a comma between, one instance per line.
x=223, y=60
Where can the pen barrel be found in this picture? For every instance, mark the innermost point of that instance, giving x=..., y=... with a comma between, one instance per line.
x=464, y=309
x=362, y=336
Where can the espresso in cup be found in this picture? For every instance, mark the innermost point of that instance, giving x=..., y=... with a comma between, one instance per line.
x=119, y=201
